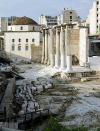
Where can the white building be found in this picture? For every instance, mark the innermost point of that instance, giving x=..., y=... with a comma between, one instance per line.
x=21, y=37
x=68, y=16
x=94, y=18
x=3, y=24
x=48, y=21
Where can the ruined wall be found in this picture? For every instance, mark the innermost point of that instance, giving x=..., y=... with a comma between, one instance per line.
x=74, y=46
x=36, y=53
x=74, y=42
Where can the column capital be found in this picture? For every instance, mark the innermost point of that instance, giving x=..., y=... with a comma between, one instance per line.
x=58, y=30
x=46, y=31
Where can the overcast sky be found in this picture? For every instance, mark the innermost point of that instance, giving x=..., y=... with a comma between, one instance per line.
x=34, y=8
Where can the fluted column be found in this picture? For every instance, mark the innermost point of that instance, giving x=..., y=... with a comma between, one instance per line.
x=62, y=48
x=43, y=48
x=51, y=48
x=46, y=46
x=57, y=56
x=67, y=48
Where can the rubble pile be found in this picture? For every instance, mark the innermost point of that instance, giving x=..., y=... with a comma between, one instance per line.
x=26, y=92
x=5, y=67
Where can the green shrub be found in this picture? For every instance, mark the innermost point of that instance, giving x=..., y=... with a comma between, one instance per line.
x=54, y=125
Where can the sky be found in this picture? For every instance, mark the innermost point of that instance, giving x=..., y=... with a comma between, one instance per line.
x=34, y=8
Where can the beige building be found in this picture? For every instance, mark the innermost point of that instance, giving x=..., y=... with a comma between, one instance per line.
x=68, y=16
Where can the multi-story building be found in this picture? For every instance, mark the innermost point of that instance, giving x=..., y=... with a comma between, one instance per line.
x=94, y=18
x=68, y=16
x=11, y=19
x=3, y=24
x=48, y=21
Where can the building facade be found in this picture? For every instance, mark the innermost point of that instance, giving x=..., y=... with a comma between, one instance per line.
x=68, y=16
x=3, y=24
x=21, y=37
x=94, y=18
x=48, y=21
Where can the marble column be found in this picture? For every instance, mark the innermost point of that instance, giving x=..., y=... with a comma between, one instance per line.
x=51, y=48
x=62, y=48
x=57, y=56
x=46, y=46
x=69, y=63
x=43, y=48
x=84, y=47
x=67, y=48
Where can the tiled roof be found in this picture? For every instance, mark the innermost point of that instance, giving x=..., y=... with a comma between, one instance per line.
x=24, y=21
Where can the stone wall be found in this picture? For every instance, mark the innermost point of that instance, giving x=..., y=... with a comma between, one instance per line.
x=36, y=53
x=74, y=42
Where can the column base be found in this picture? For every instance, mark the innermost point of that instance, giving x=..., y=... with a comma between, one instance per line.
x=62, y=68
x=45, y=61
x=52, y=66
x=69, y=70
x=42, y=62
x=48, y=63
x=56, y=67
x=87, y=65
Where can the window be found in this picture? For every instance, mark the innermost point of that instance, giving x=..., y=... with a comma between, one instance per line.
x=26, y=40
x=33, y=40
x=97, y=9
x=97, y=2
x=19, y=47
x=26, y=47
x=71, y=12
x=97, y=15
x=97, y=26
x=13, y=47
x=70, y=17
x=33, y=28
x=19, y=40
x=21, y=28
x=13, y=40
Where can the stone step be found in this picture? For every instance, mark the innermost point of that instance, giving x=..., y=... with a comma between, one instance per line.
x=12, y=125
x=84, y=79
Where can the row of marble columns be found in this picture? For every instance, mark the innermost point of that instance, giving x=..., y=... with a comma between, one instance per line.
x=56, y=47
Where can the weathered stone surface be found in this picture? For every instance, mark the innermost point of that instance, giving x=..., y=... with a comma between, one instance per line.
x=26, y=91
x=85, y=79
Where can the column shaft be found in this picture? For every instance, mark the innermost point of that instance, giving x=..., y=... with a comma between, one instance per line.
x=62, y=48
x=46, y=46
x=68, y=51
x=57, y=56
x=51, y=48
x=43, y=48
